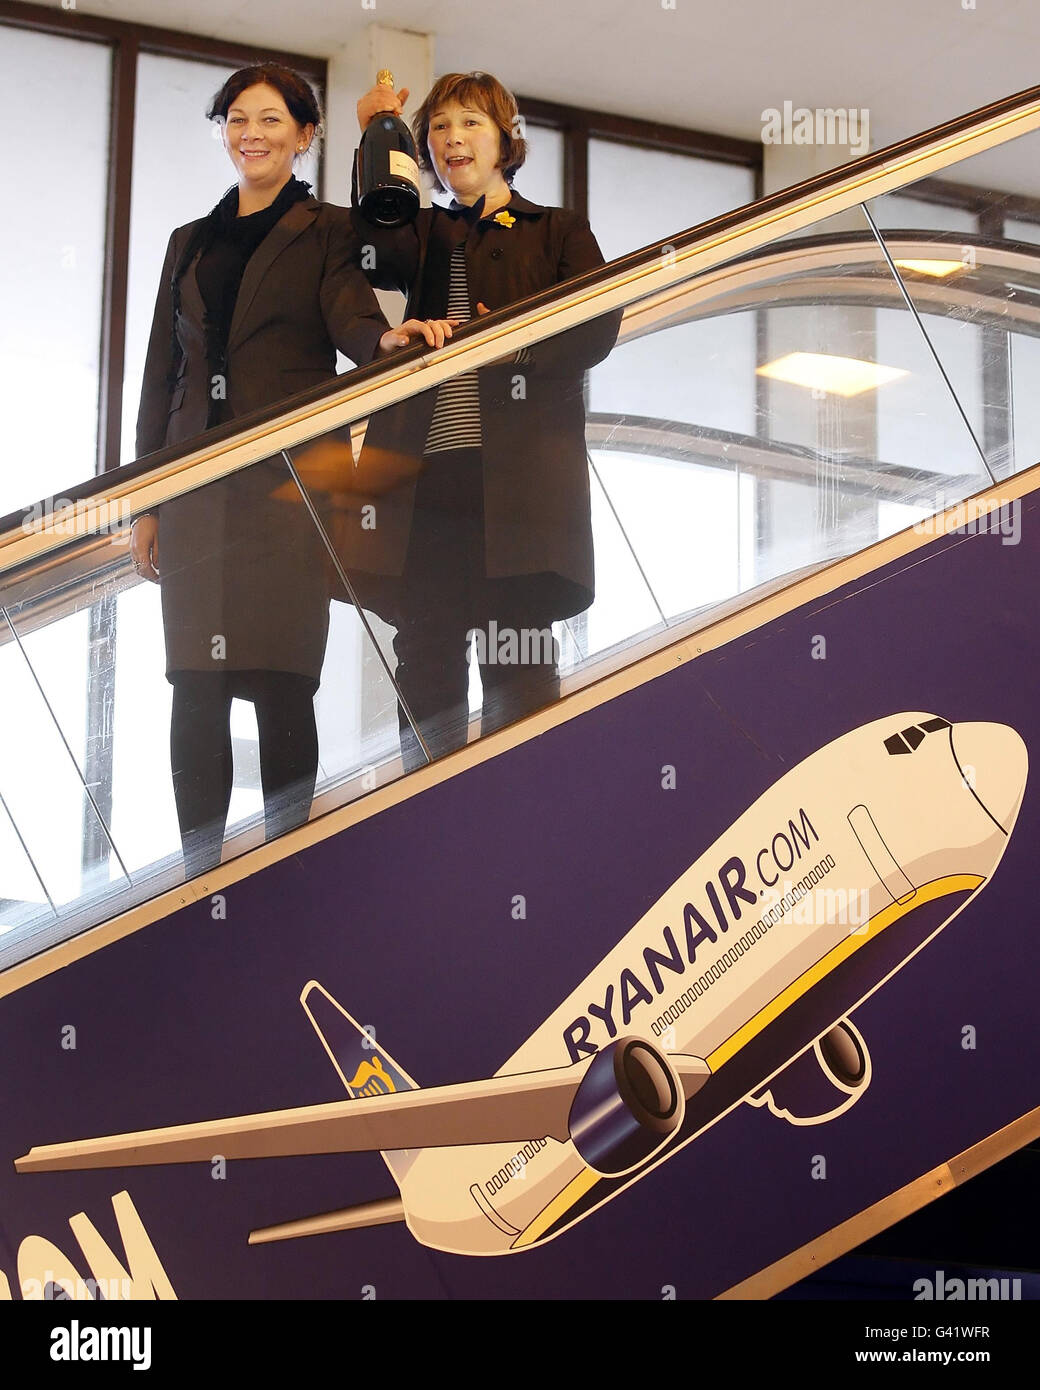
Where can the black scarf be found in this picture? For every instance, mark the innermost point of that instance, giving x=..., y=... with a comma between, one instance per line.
x=223, y=220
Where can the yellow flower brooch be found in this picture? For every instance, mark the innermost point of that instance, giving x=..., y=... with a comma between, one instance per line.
x=503, y=218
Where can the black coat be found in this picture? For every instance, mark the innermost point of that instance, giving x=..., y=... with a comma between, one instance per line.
x=536, y=484
x=239, y=558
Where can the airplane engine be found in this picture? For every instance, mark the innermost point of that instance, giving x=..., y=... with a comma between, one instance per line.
x=629, y=1103
x=823, y=1082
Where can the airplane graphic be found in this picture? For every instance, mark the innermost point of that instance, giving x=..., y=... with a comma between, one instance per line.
x=736, y=986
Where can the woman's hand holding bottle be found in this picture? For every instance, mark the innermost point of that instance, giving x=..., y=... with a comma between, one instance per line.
x=380, y=98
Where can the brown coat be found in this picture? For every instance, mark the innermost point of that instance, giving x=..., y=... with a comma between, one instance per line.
x=536, y=486
x=239, y=558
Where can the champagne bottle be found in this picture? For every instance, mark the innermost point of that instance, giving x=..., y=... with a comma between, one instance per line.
x=388, y=173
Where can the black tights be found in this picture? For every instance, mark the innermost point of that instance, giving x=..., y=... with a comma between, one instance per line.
x=202, y=763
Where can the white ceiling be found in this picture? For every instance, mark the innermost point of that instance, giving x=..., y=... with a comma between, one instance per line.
x=911, y=63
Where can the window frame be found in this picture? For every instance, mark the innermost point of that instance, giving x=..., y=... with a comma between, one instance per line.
x=578, y=125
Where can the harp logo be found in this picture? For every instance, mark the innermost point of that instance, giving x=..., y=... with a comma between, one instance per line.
x=372, y=1079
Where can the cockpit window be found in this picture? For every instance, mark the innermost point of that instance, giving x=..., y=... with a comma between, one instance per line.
x=909, y=739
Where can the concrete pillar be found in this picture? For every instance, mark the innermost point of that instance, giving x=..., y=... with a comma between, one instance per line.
x=795, y=521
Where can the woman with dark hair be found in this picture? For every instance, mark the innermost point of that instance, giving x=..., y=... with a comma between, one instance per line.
x=488, y=541
x=254, y=301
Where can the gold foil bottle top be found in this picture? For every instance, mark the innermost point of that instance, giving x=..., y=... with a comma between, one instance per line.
x=384, y=78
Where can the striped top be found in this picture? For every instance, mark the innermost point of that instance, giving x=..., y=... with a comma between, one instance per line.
x=456, y=414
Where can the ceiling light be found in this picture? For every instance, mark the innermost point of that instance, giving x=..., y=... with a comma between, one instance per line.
x=938, y=269
x=840, y=376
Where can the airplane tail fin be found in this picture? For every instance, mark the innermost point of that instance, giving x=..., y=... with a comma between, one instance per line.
x=362, y=1064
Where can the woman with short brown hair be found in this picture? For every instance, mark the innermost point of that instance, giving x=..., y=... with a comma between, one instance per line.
x=477, y=90
x=490, y=533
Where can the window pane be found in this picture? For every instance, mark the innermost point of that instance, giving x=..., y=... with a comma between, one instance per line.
x=51, y=263
x=905, y=211
x=1025, y=364
x=649, y=376
x=1016, y=229
x=541, y=178
x=638, y=196
x=932, y=431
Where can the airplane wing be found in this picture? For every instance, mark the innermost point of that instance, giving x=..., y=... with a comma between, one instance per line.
x=499, y=1109
x=383, y=1212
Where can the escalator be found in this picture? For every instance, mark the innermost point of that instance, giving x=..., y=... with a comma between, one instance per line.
x=771, y=847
